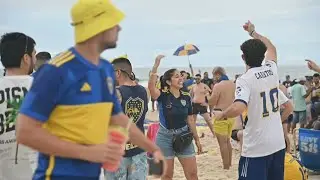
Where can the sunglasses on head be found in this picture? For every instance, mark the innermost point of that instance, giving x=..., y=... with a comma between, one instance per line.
x=26, y=47
x=132, y=76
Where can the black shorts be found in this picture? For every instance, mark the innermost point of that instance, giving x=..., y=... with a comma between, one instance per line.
x=234, y=134
x=197, y=108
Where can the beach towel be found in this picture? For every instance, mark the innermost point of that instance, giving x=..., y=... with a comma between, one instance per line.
x=152, y=132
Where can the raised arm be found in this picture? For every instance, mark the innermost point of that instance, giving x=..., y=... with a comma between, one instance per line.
x=154, y=91
x=271, y=53
x=313, y=66
x=148, y=95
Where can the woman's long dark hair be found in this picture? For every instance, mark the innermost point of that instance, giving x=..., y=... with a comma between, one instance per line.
x=166, y=77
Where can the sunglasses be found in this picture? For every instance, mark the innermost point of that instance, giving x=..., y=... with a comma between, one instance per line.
x=132, y=76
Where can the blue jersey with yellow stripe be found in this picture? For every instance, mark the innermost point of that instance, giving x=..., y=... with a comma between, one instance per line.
x=173, y=112
x=74, y=100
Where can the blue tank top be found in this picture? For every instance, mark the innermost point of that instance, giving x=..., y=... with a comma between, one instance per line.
x=135, y=105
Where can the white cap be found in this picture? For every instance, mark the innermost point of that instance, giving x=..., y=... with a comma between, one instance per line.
x=302, y=79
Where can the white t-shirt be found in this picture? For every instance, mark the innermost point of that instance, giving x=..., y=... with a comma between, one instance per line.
x=282, y=98
x=259, y=89
x=13, y=167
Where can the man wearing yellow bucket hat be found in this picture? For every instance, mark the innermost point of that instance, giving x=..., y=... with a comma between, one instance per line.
x=72, y=101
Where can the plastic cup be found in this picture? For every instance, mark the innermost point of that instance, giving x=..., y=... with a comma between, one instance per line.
x=118, y=135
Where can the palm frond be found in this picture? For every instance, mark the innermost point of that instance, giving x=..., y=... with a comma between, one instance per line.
x=15, y=104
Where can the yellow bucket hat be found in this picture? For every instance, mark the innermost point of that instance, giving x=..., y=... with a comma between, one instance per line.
x=91, y=17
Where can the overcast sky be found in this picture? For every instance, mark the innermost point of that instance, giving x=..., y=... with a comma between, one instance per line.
x=160, y=26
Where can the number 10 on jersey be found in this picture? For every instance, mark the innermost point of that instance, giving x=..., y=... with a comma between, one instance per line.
x=273, y=97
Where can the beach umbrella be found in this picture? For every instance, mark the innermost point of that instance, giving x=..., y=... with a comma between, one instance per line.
x=186, y=50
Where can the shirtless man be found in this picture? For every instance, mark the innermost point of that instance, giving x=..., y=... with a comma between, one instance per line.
x=199, y=92
x=222, y=97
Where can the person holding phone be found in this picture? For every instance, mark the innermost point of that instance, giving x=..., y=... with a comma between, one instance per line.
x=177, y=128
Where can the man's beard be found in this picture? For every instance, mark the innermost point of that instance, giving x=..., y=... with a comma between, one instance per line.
x=110, y=45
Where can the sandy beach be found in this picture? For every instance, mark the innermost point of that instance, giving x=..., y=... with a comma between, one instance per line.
x=210, y=164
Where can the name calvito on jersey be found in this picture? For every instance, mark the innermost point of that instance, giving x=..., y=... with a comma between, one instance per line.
x=263, y=74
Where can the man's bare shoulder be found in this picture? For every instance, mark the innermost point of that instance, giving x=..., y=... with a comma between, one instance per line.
x=223, y=84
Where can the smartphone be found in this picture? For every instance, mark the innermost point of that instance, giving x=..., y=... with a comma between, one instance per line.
x=155, y=168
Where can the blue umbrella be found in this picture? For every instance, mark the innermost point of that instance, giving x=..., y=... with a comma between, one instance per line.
x=186, y=50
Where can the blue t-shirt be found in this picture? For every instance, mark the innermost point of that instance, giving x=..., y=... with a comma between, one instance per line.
x=173, y=112
x=74, y=100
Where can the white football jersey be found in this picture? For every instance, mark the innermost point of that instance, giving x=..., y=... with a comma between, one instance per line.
x=259, y=89
x=15, y=162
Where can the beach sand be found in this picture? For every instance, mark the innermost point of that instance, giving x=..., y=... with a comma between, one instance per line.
x=210, y=163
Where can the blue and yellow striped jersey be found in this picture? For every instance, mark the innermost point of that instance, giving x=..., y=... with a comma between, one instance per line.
x=74, y=100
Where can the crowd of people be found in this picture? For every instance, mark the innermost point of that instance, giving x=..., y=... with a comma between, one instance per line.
x=67, y=104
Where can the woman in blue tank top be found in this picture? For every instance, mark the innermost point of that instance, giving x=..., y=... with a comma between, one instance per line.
x=175, y=114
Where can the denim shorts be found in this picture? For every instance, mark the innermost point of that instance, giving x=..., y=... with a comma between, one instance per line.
x=300, y=117
x=131, y=168
x=164, y=141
